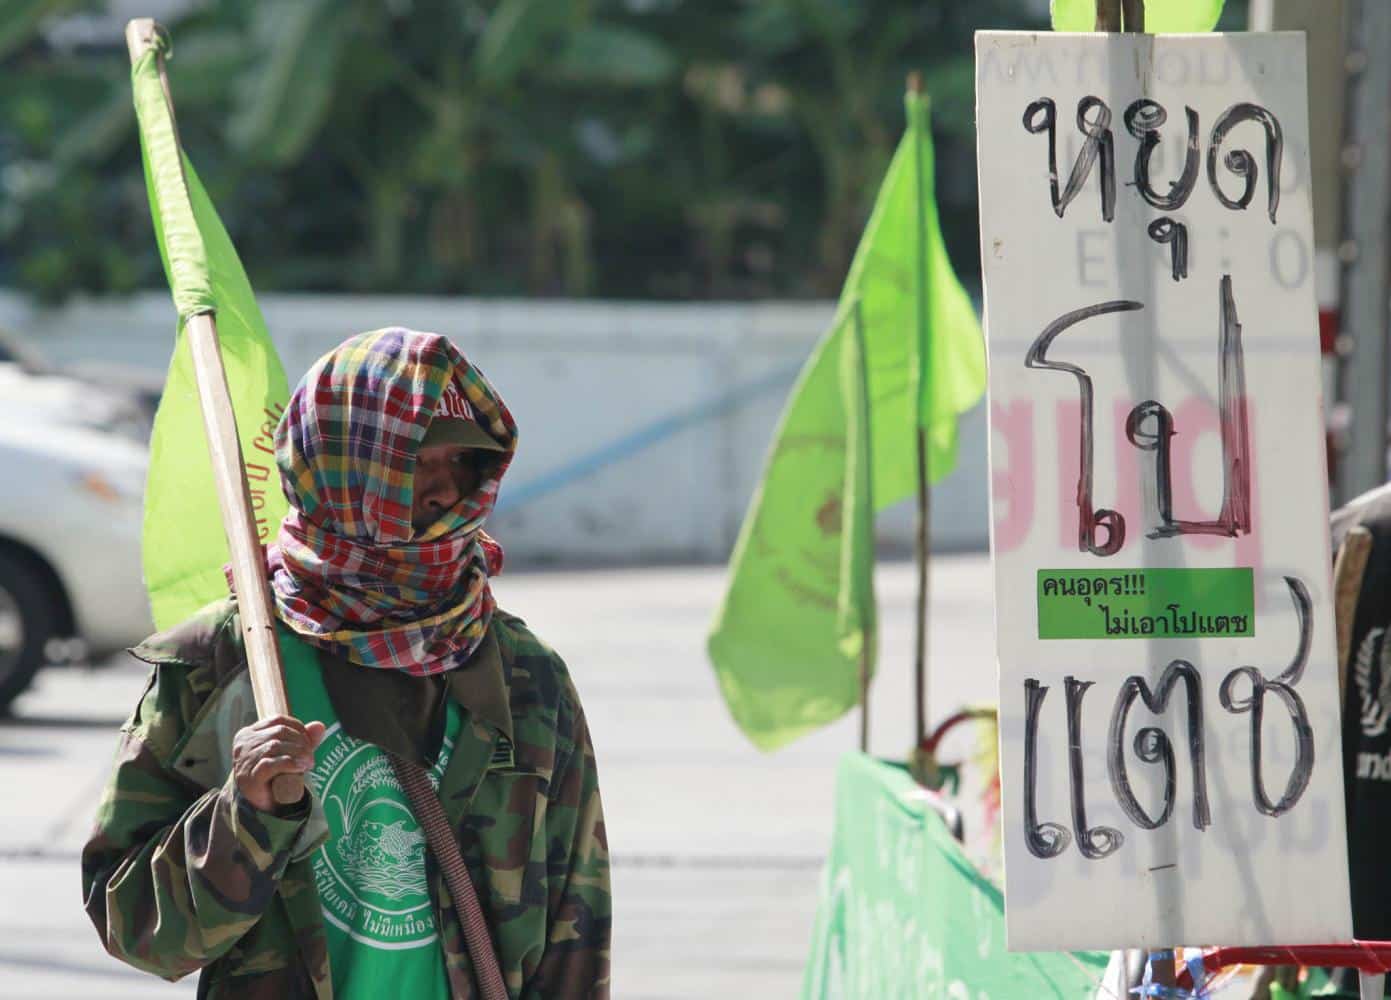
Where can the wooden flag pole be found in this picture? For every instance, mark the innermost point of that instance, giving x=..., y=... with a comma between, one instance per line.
x=867, y=643
x=923, y=544
x=233, y=496
x=1134, y=13
x=1109, y=14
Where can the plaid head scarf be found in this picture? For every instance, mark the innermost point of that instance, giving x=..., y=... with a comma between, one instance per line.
x=349, y=572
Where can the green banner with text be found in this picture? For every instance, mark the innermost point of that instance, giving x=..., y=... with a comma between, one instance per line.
x=1145, y=603
x=904, y=913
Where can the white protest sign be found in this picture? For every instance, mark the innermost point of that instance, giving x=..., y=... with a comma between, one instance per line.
x=1168, y=685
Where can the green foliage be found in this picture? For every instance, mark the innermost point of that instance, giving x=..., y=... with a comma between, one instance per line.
x=513, y=36
x=282, y=98
x=613, y=54
x=21, y=19
x=619, y=148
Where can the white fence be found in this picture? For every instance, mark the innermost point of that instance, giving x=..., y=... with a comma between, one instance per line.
x=643, y=426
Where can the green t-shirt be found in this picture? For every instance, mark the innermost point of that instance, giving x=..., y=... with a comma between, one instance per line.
x=370, y=873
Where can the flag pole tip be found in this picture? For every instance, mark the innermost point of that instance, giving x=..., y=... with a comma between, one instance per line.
x=142, y=34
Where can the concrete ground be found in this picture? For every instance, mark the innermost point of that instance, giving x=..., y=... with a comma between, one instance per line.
x=716, y=846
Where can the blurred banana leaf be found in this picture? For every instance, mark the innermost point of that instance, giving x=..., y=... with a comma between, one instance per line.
x=623, y=148
x=515, y=35
x=210, y=61
x=97, y=134
x=21, y=19
x=601, y=53
x=285, y=94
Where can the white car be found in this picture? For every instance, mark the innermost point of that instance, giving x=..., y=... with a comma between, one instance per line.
x=72, y=476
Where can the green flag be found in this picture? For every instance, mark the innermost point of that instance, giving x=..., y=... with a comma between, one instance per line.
x=796, y=625
x=924, y=350
x=184, y=544
x=1162, y=17
x=903, y=912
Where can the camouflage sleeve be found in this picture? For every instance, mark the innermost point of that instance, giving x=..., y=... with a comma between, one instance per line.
x=576, y=960
x=173, y=876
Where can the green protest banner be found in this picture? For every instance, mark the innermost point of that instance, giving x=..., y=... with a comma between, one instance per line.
x=1161, y=16
x=904, y=913
x=798, y=613
x=184, y=545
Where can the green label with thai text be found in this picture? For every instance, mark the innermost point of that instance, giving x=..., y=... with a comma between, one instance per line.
x=1146, y=604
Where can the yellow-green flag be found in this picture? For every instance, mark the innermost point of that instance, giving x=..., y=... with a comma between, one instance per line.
x=184, y=545
x=904, y=351
x=1162, y=17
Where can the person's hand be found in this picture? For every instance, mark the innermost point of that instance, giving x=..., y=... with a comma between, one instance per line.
x=270, y=747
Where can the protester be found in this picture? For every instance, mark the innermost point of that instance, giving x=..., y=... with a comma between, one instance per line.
x=1362, y=601
x=390, y=454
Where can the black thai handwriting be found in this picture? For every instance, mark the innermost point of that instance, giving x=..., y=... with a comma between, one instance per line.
x=1145, y=119
x=1044, y=840
x=1235, y=514
x=1153, y=746
x=1089, y=520
x=1240, y=161
x=1094, y=122
x=1283, y=689
x=1234, y=518
x=1165, y=230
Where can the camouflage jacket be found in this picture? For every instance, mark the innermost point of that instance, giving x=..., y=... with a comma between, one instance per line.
x=181, y=873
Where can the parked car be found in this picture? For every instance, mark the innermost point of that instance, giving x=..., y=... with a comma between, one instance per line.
x=116, y=398
x=73, y=458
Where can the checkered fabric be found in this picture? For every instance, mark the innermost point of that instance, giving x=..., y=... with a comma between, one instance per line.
x=348, y=571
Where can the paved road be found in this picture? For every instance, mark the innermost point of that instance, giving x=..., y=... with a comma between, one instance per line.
x=716, y=846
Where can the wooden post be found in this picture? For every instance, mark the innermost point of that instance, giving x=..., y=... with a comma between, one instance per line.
x=864, y=698
x=1108, y=15
x=1108, y=18
x=1133, y=11
x=923, y=546
x=869, y=638
x=923, y=552
x=234, y=498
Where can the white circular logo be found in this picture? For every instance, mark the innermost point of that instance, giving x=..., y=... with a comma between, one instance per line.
x=371, y=872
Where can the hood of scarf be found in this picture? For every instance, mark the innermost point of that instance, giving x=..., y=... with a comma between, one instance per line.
x=348, y=571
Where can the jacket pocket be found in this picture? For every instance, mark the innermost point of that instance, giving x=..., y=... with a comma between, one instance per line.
x=290, y=983
x=265, y=962
x=503, y=831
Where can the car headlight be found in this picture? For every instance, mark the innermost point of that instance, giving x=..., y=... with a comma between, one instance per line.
x=113, y=486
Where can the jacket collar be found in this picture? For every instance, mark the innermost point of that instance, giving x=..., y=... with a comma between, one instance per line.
x=481, y=687
x=405, y=714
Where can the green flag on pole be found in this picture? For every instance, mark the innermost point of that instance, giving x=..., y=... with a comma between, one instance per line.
x=1162, y=17
x=904, y=350
x=924, y=349
x=184, y=545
